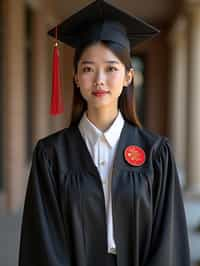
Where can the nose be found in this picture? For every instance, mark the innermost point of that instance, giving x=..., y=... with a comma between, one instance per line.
x=99, y=79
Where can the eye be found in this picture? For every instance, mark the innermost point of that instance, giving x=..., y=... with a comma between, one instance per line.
x=87, y=69
x=111, y=68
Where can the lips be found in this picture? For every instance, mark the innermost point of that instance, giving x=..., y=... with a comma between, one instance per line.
x=99, y=92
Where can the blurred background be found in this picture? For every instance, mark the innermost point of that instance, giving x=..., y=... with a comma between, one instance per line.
x=167, y=91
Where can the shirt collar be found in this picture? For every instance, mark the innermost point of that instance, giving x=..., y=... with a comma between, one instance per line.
x=112, y=134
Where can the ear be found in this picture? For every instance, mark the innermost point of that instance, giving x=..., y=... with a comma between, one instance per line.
x=128, y=77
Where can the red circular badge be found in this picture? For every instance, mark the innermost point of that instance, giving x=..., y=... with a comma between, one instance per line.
x=134, y=155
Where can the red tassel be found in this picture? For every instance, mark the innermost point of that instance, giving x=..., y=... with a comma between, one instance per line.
x=57, y=106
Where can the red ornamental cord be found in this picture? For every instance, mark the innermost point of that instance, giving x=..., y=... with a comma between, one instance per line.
x=57, y=106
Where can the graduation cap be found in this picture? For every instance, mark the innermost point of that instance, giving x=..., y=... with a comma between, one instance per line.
x=97, y=21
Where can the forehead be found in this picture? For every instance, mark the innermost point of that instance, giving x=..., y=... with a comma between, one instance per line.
x=98, y=52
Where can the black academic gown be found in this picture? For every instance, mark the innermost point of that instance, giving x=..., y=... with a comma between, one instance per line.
x=64, y=221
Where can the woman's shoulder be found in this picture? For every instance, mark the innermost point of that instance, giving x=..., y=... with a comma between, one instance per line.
x=56, y=140
x=148, y=139
x=157, y=147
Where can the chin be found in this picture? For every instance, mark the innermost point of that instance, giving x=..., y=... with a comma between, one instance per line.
x=101, y=105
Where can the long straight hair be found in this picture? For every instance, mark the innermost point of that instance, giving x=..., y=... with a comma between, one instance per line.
x=126, y=101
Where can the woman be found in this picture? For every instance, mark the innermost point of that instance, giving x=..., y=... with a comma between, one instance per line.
x=103, y=191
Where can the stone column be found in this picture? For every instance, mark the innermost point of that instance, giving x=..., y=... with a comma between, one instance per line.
x=193, y=96
x=14, y=106
x=178, y=88
x=40, y=91
x=156, y=84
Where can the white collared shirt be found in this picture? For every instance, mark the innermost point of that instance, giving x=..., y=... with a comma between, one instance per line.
x=102, y=147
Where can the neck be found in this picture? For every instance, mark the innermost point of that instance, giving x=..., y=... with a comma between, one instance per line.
x=102, y=119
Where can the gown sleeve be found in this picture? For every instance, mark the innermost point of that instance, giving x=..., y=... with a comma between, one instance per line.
x=42, y=239
x=169, y=242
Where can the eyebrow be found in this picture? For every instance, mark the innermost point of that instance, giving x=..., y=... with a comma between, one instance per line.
x=91, y=62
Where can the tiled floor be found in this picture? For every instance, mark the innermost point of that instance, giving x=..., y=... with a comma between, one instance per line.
x=192, y=208
x=9, y=239
x=10, y=234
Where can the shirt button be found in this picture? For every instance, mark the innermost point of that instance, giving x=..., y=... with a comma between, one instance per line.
x=102, y=162
x=104, y=182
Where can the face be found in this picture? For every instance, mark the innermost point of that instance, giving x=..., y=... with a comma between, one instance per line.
x=101, y=77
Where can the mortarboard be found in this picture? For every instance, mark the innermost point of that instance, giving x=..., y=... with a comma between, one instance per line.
x=97, y=21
